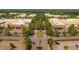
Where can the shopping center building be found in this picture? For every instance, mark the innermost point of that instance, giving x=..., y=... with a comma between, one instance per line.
x=15, y=23
x=64, y=23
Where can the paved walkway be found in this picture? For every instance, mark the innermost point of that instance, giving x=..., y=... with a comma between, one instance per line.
x=44, y=43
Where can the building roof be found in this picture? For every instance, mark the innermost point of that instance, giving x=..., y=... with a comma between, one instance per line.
x=2, y=21
x=22, y=21
x=56, y=21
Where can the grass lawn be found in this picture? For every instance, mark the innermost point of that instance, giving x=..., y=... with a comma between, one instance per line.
x=40, y=33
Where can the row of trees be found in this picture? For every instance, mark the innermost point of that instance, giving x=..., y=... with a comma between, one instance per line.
x=27, y=32
x=9, y=16
x=40, y=21
x=50, y=30
x=27, y=41
x=72, y=30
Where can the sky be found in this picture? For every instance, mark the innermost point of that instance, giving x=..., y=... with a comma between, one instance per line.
x=39, y=4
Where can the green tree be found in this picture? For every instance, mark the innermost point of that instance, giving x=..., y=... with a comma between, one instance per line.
x=27, y=31
x=28, y=43
x=7, y=32
x=1, y=30
x=57, y=33
x=64, y=33
x=12, y=46
x=50, y=32
x=72, y=30
x=9, y=27
x=52, y=43
x=66, y=47
x=32, y=26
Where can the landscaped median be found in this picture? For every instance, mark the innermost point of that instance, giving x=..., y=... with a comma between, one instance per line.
x=69, y=38
x=11, y=38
